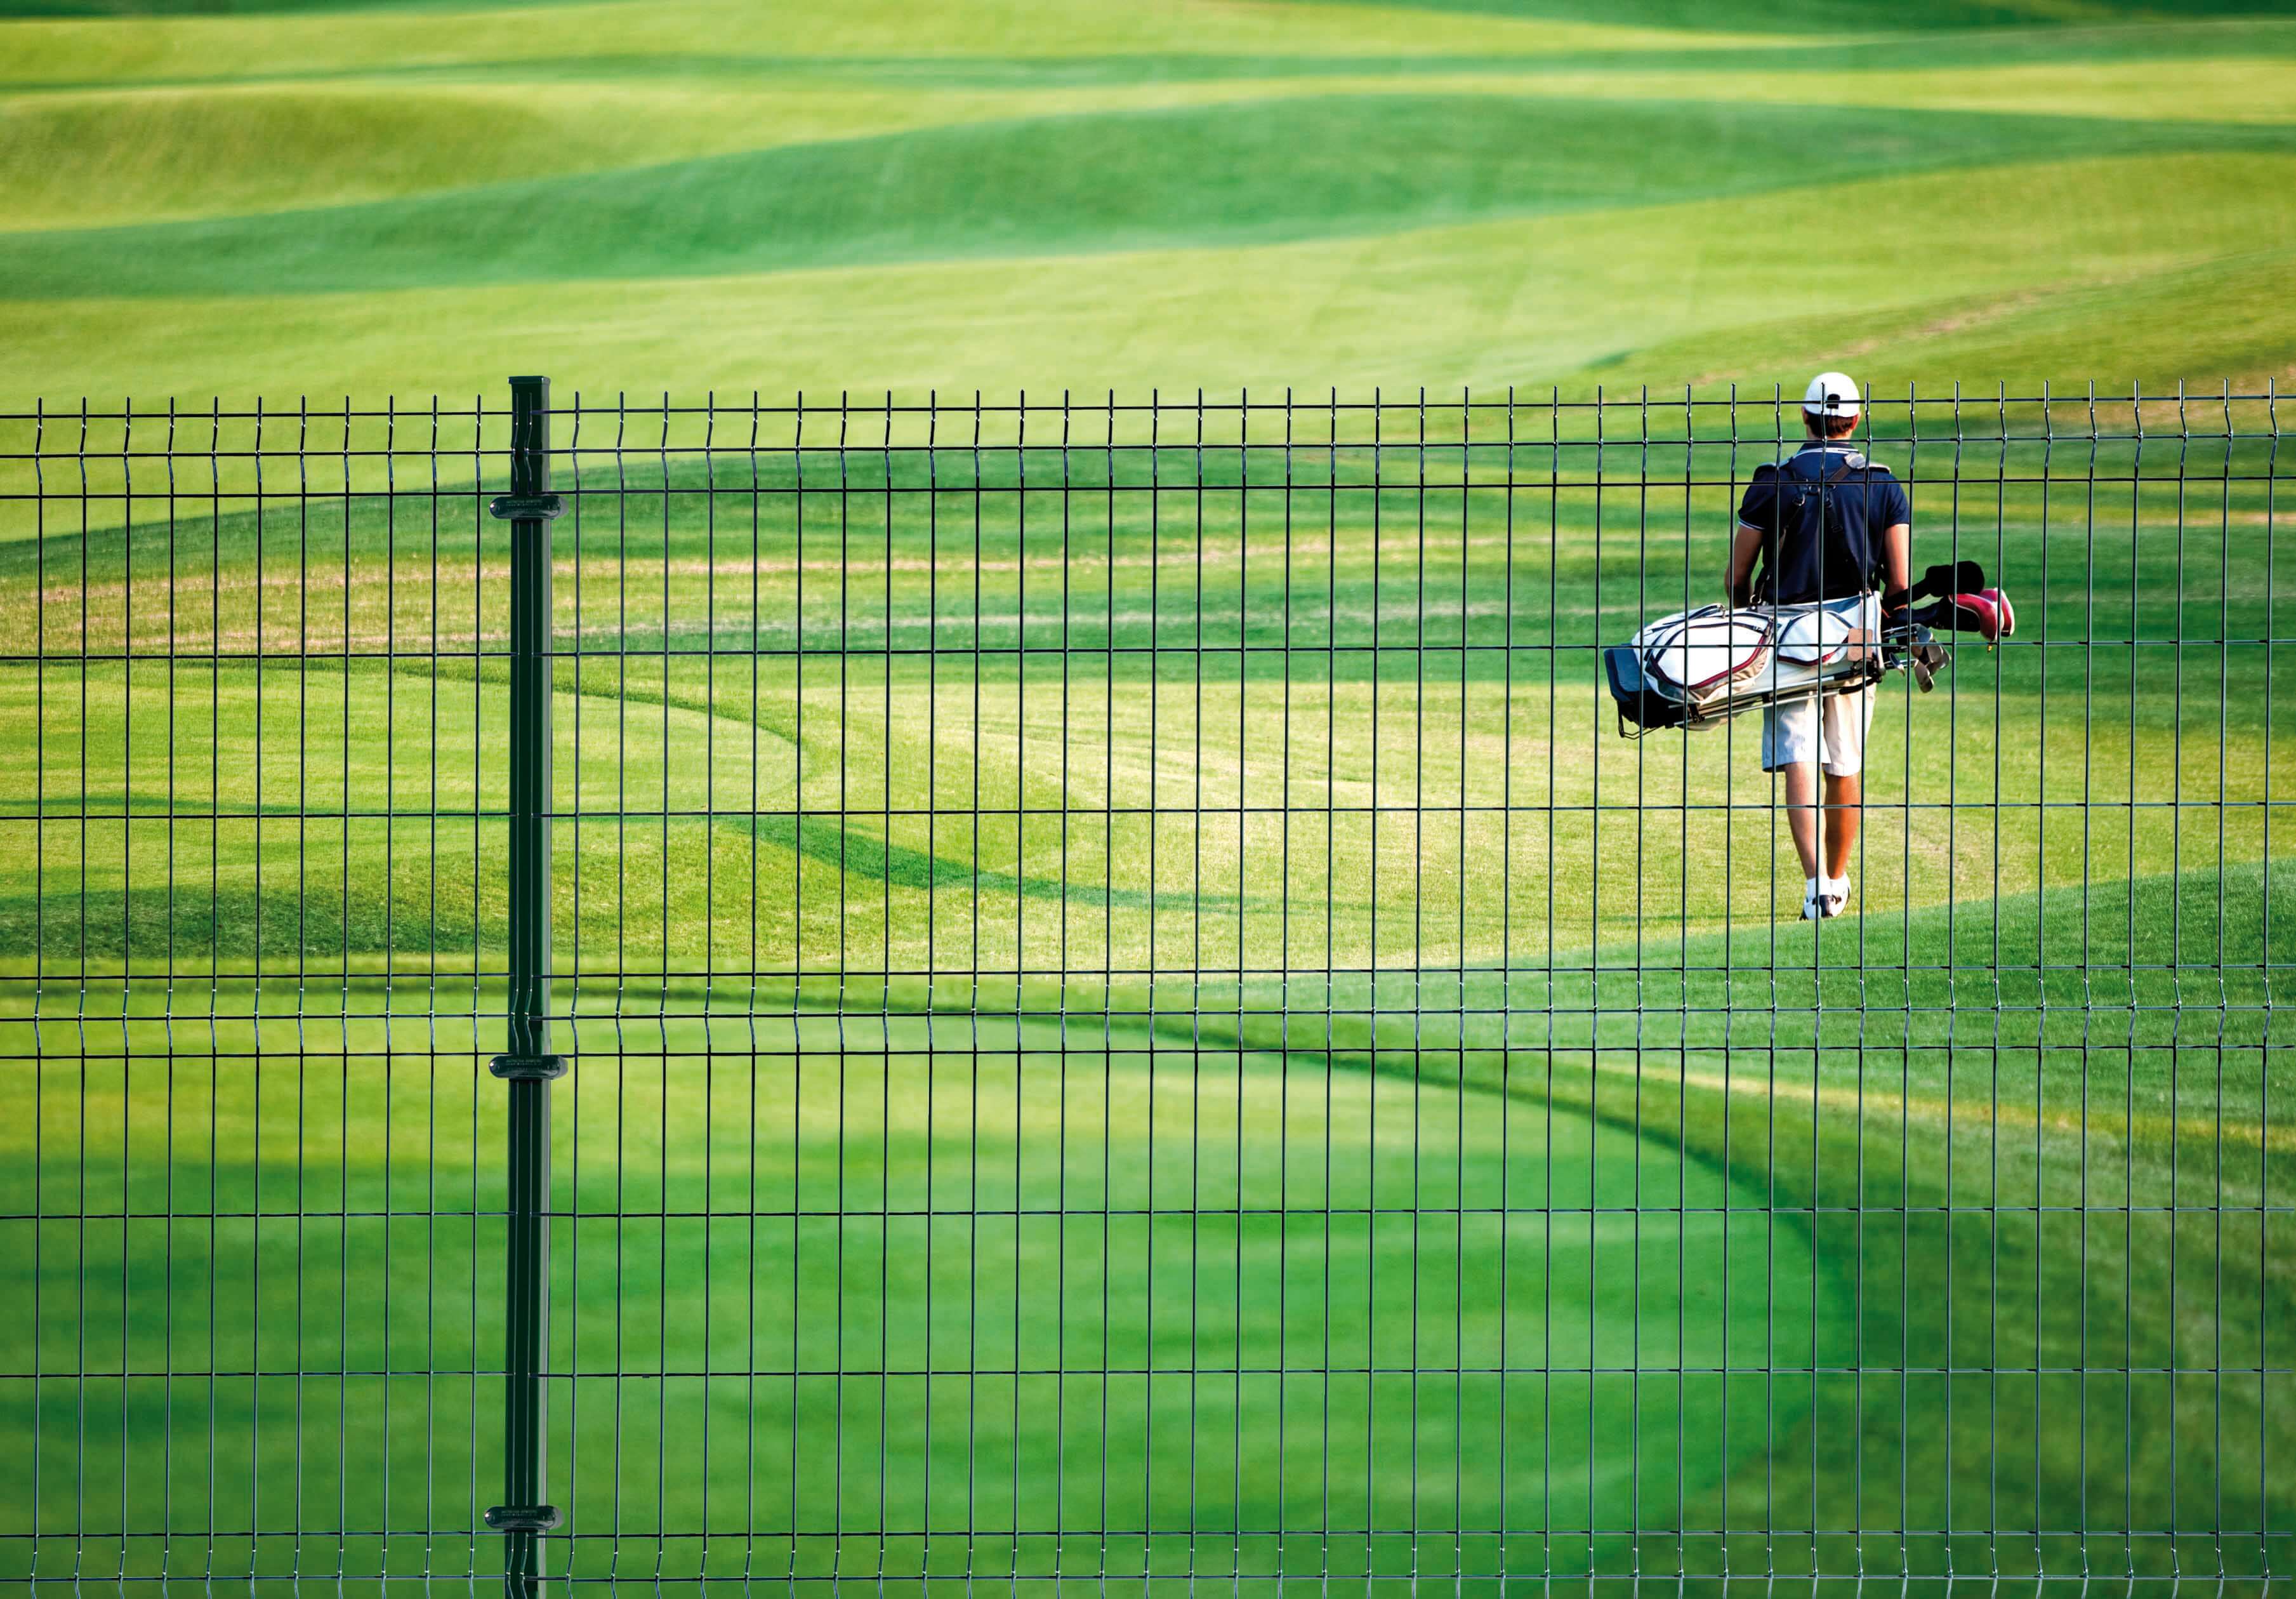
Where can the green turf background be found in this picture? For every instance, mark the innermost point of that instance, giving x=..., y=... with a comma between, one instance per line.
x=1281, y=1272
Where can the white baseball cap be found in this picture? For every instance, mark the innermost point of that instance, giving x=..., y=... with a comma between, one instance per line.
x=1831, y=394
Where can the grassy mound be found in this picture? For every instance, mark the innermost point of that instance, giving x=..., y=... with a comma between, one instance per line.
x=1204, y=195
x=1303, y=168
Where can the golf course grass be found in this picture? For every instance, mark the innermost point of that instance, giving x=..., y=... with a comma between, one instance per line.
x=1035, y=955
x=1133, y=1014
x=1055, y=194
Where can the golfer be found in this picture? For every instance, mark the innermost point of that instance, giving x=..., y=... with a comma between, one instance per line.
x=1826, y=524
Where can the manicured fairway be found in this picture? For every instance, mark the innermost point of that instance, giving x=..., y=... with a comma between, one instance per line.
x=1060, y=194
x=1368, y=743
x=1262, y=716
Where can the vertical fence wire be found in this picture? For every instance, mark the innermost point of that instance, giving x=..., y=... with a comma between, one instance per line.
x=1136, y=1021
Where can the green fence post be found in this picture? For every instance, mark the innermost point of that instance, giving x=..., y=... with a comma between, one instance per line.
x=528, y=1066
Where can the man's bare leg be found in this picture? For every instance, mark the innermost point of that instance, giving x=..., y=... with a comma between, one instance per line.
x=1801, y=783
x=1845, y=798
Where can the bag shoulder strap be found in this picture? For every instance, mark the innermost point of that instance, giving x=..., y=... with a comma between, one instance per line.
x=1829, y=477
x=1838, y=469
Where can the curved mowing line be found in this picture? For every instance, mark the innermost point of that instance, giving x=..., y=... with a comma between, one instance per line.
x=1235, y=175
x=871, y=862
x=1523, y=1071
x=1186, y=1285
x=1874, y=1103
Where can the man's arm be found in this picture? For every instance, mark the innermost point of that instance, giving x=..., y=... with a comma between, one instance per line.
x=1897, y=566
x=1744, y=548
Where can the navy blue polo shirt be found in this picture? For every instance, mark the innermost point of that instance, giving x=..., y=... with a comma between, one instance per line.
x=1857, y=511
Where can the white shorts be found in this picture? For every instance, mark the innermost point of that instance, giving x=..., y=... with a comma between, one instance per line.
x=1798, y=732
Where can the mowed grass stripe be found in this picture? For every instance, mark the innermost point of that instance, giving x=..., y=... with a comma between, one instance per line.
x=78, y=158
x=120, y=155
x=2232, y=89
x=1240, y=175
x=117, y=156
x=2148, y=327
x=352, y=814
x=2181, y=65
x=1945, y=16
x=130, y=155
x=83, y=51
x=1521, y=301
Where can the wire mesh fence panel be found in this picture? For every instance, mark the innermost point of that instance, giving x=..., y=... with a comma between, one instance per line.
x=1129, y=1015
x=253, y=940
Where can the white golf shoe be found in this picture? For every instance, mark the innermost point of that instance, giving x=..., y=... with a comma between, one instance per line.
x=1824, y=897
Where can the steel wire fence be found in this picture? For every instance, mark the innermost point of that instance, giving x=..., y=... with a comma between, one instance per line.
x=1128, y=1018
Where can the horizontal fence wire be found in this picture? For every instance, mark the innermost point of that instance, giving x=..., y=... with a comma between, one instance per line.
x=1132, y=1019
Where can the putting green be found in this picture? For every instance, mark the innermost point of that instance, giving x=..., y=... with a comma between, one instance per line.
x=1093, y=1281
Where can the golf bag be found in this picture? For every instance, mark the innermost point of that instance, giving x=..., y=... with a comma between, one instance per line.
x=1701, y=667
x=1963, y=604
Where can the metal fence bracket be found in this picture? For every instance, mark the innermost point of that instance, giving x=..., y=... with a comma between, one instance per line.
x=528, y=1068
x=511, y=507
